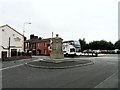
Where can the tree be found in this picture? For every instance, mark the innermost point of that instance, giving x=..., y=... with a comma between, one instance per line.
x=111, y=46
x=117, y=44
x=102, y=45
x=83, y=44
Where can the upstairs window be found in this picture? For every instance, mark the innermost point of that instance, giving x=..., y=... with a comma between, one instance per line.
x=3, y=30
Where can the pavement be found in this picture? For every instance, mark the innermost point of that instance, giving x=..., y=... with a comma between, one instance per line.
x=102, y=74
x=17, y=62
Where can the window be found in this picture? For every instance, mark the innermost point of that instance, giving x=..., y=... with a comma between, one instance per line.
x=34, y=46
x=78, y=50
x=71, y=43
x=3, y=30
x=77, y=43
x=72, y=50
x=44, y=51
x=26, y=45
x=17, y=39
x=13, y=34
x=45, y=44
x=38, y=45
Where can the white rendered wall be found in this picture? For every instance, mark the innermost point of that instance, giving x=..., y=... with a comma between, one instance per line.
x=0, y=41
x=8, y=32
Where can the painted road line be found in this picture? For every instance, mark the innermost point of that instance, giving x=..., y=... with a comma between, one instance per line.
x=23, y=60
x=11, y=67
x=104, y=83
x=38, y=60
x=17, y=65
x=83, y=58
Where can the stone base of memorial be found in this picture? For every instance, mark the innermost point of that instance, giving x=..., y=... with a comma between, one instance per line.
x=56, y=55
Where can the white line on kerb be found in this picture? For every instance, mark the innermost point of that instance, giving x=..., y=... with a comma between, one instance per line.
x=11, y=67
x=17, y=65
x=106, y=79
x=37, y=60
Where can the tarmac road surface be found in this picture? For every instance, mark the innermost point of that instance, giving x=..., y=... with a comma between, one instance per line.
x=102, y=74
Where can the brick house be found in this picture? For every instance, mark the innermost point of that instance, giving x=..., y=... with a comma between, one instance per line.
x=42, y=47
x=37, y=46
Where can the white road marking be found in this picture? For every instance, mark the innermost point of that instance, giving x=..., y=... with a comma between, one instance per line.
x=17, y=65
x=24, y=60
x=83, y=58
x=107, y=57
x=106, y=79
x=37, y=59
x=11, y=67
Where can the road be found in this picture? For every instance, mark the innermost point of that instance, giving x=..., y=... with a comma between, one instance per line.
x=102, y=74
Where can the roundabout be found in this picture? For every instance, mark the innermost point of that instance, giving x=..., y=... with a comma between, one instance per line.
x=56, y=59
x=59, y=64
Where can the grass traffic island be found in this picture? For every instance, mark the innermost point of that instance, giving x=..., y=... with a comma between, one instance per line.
x=58, y=64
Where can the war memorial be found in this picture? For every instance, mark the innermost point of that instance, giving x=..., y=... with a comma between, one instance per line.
x=56, y=59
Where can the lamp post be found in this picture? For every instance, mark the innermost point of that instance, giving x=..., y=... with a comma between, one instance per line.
x=24, y=33
x=24, y=27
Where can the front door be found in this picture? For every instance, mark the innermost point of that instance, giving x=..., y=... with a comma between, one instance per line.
x=13, y=52
x=4, y=55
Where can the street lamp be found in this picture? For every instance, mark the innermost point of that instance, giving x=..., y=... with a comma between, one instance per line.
x=24, y=33
x=24, y=27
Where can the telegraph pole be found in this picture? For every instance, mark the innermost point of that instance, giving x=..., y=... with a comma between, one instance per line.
x=9, y=48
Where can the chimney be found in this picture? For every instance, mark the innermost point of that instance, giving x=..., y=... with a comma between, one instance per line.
x=57, y=35
x=32, y=36
x=40, y=38
x=36, y=37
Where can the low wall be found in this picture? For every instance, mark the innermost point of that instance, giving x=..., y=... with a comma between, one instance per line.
x=16, y=58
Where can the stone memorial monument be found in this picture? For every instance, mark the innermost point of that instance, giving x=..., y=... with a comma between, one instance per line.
x=56, y=48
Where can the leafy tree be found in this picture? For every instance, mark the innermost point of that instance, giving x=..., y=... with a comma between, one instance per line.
x=83, y=44
x=117, y=44
x=111, y=46
x=102, y=45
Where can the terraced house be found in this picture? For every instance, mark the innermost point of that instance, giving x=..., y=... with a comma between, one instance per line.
x=37, y=46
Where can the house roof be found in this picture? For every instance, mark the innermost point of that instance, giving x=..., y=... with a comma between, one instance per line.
x=12, y=29
x=34, y=40
x=37, y=40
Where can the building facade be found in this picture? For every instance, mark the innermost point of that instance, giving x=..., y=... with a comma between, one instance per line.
x=42, y=47
x=37, y=46
x=11, y=41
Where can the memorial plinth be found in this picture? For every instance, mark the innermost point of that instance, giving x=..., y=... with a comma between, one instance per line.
x=56, y=46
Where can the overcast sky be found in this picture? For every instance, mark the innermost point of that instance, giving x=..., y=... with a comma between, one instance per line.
x=71, y=19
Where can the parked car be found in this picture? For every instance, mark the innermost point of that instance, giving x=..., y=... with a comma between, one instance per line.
x=104, y=51
x=97, y=51
x=116, y=50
